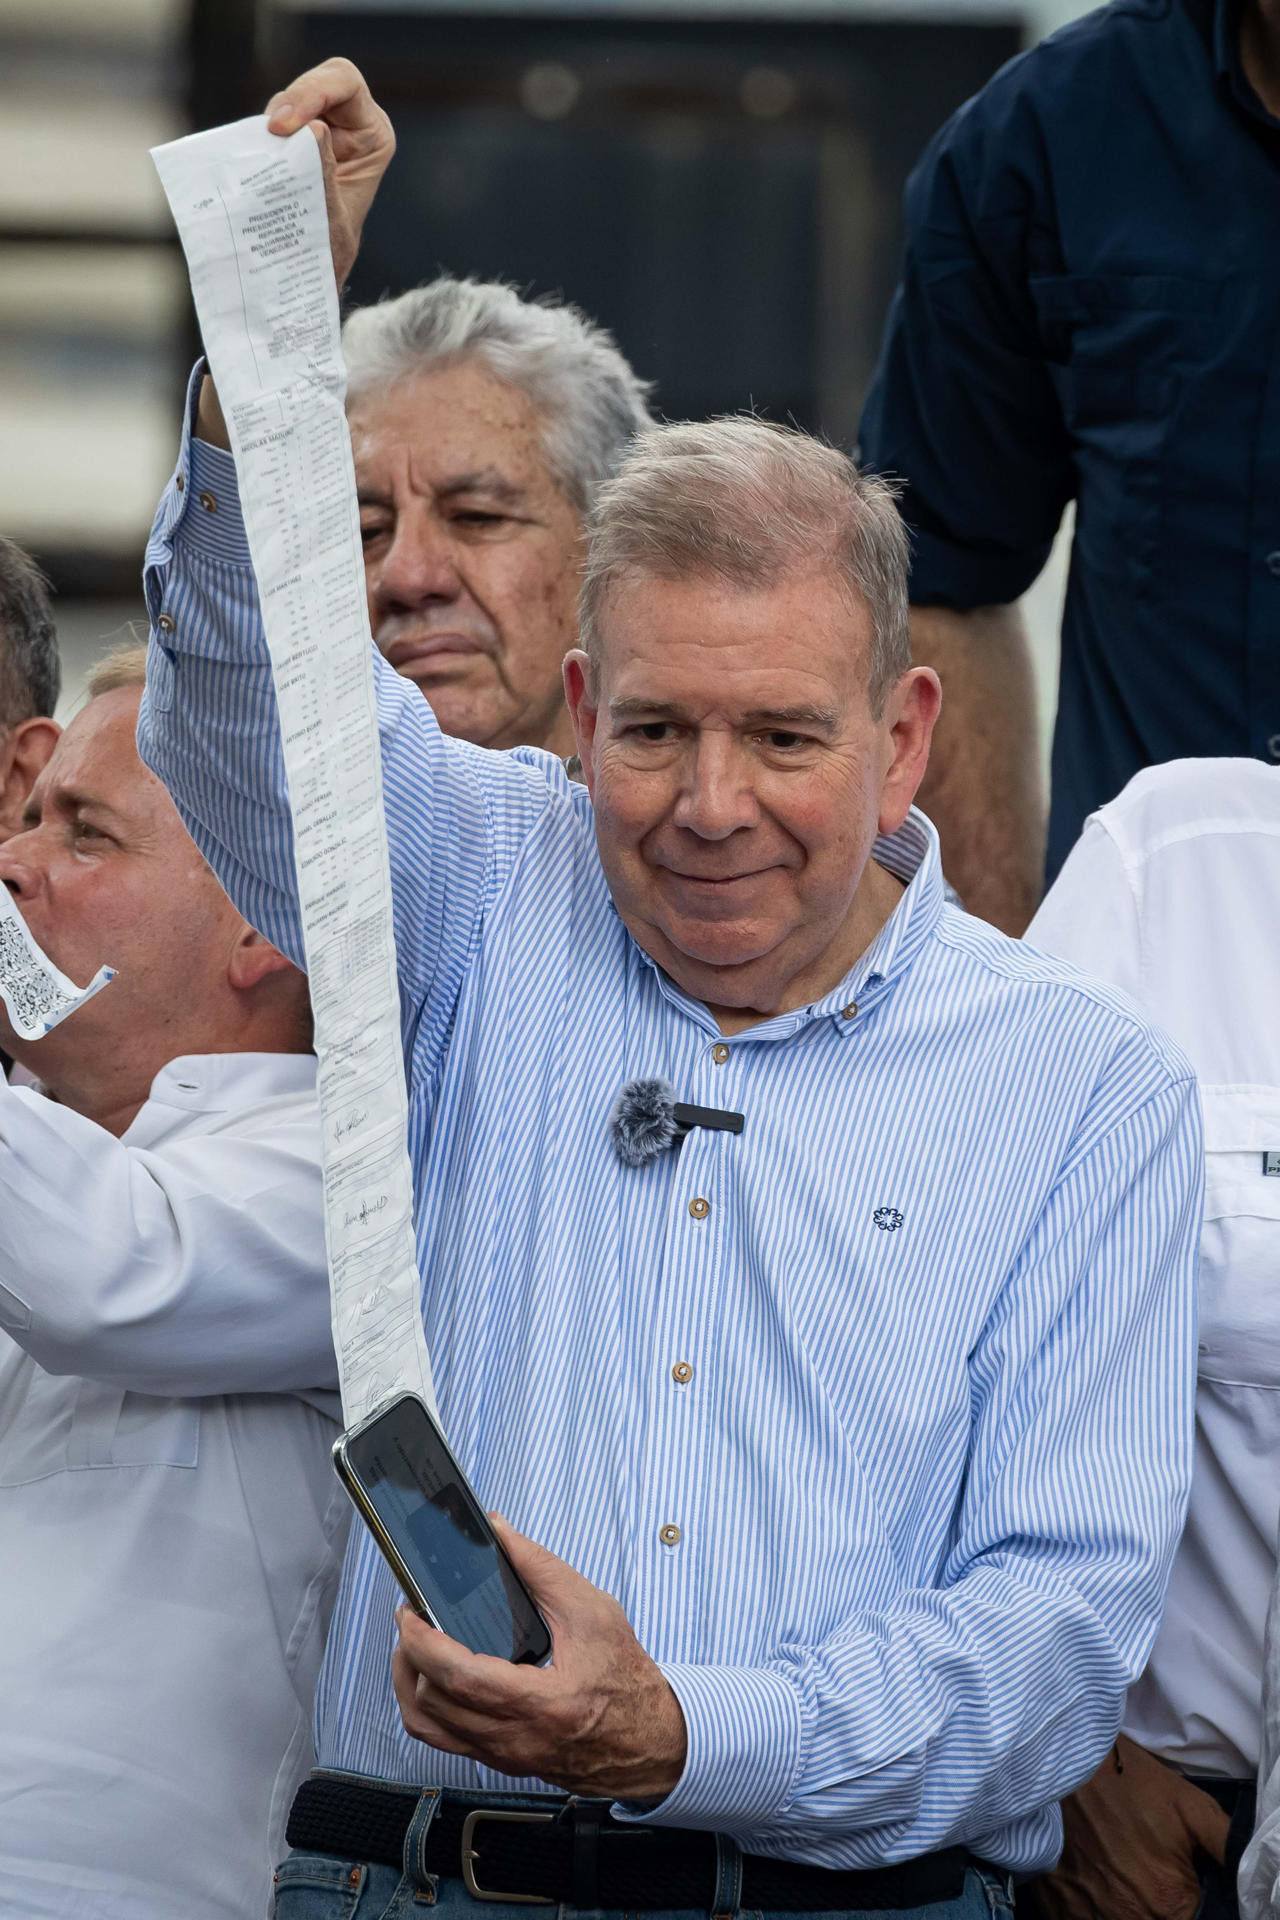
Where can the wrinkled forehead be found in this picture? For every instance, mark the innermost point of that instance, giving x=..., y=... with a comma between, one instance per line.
x=448, y=426
x=803, y=639
x=97, y=756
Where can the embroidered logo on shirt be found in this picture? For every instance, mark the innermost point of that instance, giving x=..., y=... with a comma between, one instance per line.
x=888, y=1219
x=1271, y=1163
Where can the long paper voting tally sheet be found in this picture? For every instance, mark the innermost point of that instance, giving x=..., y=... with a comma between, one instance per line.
x=250, y=211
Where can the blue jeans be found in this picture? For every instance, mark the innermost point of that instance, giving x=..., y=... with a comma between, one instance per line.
x=315, y=1886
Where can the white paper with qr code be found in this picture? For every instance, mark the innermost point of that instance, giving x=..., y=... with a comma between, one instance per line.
x=36, y=994
x=250, y=211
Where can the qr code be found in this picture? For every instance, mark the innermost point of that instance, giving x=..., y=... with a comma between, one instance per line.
x=34, y=1000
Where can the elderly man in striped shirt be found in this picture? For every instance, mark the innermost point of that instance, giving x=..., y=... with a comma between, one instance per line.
x=855, y=1445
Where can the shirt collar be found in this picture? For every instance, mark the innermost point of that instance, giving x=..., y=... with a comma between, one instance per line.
x=212, y=1082
x=911, y=855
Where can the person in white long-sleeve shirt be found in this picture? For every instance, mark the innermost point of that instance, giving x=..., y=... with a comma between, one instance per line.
x=170, y=1528
x=1173, y=894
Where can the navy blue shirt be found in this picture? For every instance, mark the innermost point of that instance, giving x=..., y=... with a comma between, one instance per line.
x=1090, y=310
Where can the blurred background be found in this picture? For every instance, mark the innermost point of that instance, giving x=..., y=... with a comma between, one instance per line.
x=719, y=181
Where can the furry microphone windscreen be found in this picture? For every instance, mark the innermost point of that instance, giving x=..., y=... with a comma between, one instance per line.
x=644, y=1121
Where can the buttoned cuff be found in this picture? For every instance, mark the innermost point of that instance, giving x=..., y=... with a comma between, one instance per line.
x=202, y=504
x=744, y=1731
x=213, y=524
x=198, y=515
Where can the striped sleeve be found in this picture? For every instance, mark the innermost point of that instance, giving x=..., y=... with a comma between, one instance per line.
x=210, y=730
x=958, y=1708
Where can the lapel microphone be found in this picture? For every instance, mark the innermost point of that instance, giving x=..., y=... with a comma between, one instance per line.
x=648, y=1120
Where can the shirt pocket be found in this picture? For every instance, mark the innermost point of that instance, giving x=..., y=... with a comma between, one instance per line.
x=57, y=1423
x=1240, y=1242
x=1118, y=348
x=1100, y=318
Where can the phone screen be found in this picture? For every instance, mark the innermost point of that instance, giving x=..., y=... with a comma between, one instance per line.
x=440, y=1531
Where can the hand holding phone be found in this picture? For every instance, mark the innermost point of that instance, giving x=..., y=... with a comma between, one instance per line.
x=435, y=1536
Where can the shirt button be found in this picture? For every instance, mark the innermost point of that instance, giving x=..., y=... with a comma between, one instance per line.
x=682, y=1373
x=670, y=1534
x=1273, y=746
x=180, y=483
x=164, y=623
x=850, y=1012
x=699, y=1208
x=1273, y=562
x=720, y=1053
x=208, y=502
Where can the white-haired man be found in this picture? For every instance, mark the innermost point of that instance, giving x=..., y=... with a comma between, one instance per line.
x=482, y=425
x=864, y=1434
x=169, y=1532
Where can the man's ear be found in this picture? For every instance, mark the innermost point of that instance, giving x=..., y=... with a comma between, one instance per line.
x=253, y=959
x=580, y=698
x=24, y=750
x=910, y=713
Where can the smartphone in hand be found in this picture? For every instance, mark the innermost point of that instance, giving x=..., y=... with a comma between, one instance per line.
x=434, y=1534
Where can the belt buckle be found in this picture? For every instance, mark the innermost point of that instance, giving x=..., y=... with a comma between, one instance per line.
x=469, y=1855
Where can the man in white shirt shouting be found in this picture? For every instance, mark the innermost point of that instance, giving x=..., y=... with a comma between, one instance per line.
x=156, y=1496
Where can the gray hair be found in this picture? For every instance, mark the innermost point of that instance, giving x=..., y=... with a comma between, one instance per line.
x=749, y=503
x=570, y=369
x=30, y=672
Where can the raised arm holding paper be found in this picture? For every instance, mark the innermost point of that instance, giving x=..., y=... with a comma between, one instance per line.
x=856, y=1443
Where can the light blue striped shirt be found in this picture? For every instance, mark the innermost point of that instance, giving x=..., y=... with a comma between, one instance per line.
x=933, y=1455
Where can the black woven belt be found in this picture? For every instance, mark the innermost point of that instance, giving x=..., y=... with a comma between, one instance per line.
x=574, y=1853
